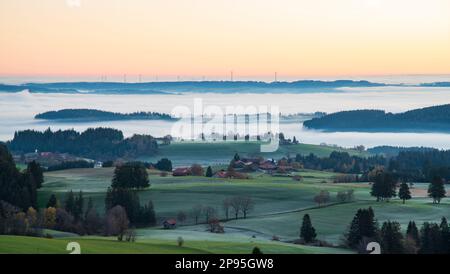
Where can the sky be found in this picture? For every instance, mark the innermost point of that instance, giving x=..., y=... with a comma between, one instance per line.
x=208, y=39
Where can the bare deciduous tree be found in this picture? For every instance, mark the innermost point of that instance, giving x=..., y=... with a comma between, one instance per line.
x=197, y=170
x=209, y=212
x=117, y=222
x=226, y=207
x=246, y=205
x=235, y=204
x=322, y=198
x=130, y=235
x=181, y=216
x=196, y=212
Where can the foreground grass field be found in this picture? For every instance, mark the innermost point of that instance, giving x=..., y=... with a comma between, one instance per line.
x=280, y=204
x=92, y=245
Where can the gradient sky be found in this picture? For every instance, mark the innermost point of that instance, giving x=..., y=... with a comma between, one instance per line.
x=209, y=38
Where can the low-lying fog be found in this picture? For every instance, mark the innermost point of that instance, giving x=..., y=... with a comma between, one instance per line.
x=18, y=109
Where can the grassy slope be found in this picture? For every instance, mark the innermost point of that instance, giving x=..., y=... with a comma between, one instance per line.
x=172, y=194
x=280, y=202
x=93, y=245
x=331, y=222
x=187, y=153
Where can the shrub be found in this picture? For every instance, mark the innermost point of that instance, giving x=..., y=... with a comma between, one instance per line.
x=180, y=241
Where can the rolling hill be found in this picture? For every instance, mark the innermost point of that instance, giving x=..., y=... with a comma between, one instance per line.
x=430, y=119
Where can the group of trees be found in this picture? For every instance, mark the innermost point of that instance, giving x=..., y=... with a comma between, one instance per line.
x=436, y=190
x=71, y=165
x=421, y=165
x=207, y=212
x=130, y=175
x=340, y=162
x=409, y=165
x=73, y=215
x=431, y=118
x=128, y=178
x=100, y=115
x=432, y=238
x=237, y=205
x=96, y=143
x=209, y=172
x=19, y=188
x=283, y=141
x=128, y=199
x=345, y=196
x=164, y=165
x=385, y=183
x=307, y=231
x=233, y=207
x=324, y=197
x=18, y=201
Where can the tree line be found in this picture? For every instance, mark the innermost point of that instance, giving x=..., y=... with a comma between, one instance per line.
x=385, y=184
x=95, y=143
x=100, y=115
x=431, y=118
x=127, y=180
x=19, y=188
x=414, y=165
x=233, y=207
x=431, y=238
x=123, y=210
x=341, y=162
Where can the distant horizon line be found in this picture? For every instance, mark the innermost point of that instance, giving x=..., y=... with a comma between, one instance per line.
x=147, y=81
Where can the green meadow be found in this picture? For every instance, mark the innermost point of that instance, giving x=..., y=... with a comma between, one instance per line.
x=211, y=153
x=280, y=203
x=97, y=245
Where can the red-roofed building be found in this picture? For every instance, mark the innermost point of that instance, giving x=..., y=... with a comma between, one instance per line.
x=182, y=171
x=170, y=224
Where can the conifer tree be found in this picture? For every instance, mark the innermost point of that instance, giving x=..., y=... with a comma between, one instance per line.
x=403, y=192
x=391, y=238
x=52, y=201
x=445, y=231
x=209, y=172
x=436, y=190
x=363, y=226
x=236, y=157
x=37, y=173
x=307, y=231
x=383, y=187
x=413, y=233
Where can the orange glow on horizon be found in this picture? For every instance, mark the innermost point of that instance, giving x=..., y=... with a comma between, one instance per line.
x=209, y=38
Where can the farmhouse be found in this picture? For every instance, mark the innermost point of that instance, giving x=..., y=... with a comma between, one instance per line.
x=268, y=165
x=182, y=171
x=170, y=224
x=220, y=174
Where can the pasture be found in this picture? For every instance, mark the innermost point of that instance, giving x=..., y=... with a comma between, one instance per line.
x=211, y=153
x=280, y=203
x=101, y=245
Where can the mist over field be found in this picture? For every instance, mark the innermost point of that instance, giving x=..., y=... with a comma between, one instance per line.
x=19, y=109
